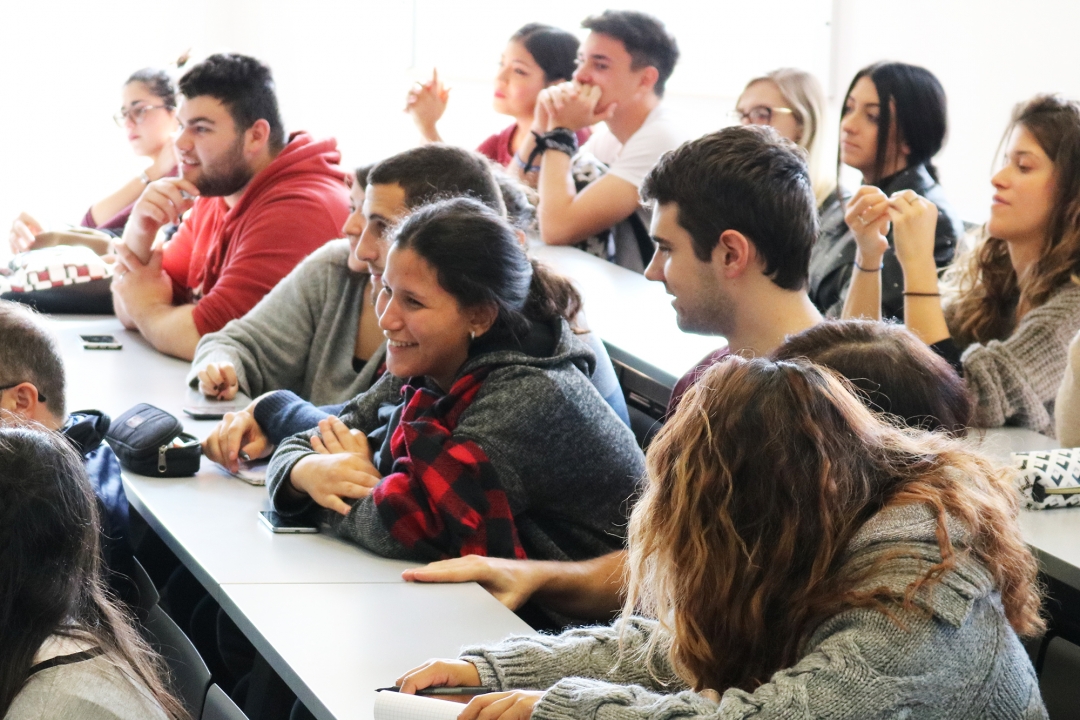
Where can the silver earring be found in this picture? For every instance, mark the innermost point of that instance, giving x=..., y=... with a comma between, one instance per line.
x=472, y=334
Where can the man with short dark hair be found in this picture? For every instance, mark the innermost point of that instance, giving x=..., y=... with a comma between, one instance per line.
x=623, y=68
x=259, y=204
x=734, y=221
x=32, y=390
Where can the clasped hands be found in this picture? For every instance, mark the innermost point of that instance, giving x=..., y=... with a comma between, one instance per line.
x=913, y=218
x=569, y=105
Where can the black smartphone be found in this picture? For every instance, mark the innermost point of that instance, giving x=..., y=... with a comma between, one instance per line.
x=279, y=524
x=100, y=342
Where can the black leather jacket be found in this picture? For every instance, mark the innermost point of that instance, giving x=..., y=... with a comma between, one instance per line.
x=834, y=252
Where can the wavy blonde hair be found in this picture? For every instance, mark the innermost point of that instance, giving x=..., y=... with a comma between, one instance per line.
x=757, y=485
x=984, y=296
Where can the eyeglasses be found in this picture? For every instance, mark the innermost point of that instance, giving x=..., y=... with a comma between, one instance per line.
x=137, y=114
x=759, y=114
x=40, y=397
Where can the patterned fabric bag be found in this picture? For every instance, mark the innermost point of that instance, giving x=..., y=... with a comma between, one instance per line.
x=1049, y=479
x=59, y=279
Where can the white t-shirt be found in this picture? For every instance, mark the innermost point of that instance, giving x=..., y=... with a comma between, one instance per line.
x=632, y=162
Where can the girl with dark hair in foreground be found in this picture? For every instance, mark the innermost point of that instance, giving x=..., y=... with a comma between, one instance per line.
x=792, y=556
x=69, y=653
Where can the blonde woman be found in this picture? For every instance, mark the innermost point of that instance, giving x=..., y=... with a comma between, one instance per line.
x=853, y=570
x=793, y=103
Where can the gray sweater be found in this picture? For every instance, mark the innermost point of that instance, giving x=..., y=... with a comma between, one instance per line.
x=301, y=336
x=88, y=690
x=1015, y=381
x=963, y=661
x=566, y=462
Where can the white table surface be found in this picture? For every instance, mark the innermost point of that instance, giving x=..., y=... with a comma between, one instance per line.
x=632, y=315
x=337, y=643
x=211, y=520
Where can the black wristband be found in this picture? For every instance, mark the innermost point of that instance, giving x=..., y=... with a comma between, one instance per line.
x=870, y=270
x=561, y=139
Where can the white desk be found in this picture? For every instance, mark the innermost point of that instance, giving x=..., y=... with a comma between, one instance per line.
x=632, y=315
x=334, y=644
x=334, y=620
x=1053, y=534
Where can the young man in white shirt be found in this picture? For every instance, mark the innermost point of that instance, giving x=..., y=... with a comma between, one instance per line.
x=623, y=67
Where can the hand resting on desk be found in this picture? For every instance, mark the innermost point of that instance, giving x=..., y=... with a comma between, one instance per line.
x=218, y=380
x=237, y=432
x=514, y=705
x=511, y=582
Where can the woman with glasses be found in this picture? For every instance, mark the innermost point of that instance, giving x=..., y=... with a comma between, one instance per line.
x=148, y=117
x=893, y=124
x=793, y=103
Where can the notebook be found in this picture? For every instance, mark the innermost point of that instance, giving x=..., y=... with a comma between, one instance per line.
x=400, y=706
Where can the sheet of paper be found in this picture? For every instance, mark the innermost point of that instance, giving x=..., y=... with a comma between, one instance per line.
x=399, y=706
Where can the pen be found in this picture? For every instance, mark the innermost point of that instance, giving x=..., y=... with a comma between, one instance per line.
x=463, y=690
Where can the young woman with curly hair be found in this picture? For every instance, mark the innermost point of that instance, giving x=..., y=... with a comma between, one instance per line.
x=792, y=556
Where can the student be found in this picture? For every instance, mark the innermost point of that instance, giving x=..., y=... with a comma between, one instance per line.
x=792, y=102
x=537, y=56
x=259, y=202
x=300, y=339
x=892, y=574
x=485, y=435
x=1013, y=302
x=623, y=67
x=32, y=390
x=734, y=219
x=894, y=372
x=893, y=125
x=1067, y=406
x=69, y=652
x=148, y=115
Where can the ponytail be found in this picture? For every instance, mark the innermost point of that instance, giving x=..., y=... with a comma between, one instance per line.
x=551, y=296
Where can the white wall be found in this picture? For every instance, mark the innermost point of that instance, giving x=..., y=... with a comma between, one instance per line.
x=343, y=68
x=988, y=54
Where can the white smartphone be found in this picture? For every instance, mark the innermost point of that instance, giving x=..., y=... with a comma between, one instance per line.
x=279, y=524
x=100, y=342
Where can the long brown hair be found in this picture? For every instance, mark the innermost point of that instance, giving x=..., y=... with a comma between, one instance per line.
x=987, y=297
x=51, y=574
x=757, y=485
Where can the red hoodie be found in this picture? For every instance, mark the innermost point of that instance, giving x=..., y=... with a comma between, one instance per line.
x=226, y=260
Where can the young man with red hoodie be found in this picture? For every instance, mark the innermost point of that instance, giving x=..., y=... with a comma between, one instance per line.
x=259, y=205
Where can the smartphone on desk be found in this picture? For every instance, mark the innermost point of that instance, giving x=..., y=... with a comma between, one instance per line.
x=100, y=342
x=280, y=524
x=200, y=407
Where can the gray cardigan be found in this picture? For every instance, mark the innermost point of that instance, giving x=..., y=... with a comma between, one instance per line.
x=301, y=336
x=566, y=462
x=962, y=661
x=1015, y=381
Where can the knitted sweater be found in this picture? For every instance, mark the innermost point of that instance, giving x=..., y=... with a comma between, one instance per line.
x=1015, y=381
x=564, y=460
x=301, y=336
x=962, y=661
x=1067, y=407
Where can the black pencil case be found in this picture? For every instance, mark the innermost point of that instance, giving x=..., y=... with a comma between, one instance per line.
x=144, y=438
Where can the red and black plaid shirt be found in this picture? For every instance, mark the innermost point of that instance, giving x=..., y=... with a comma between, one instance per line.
x=444, y=496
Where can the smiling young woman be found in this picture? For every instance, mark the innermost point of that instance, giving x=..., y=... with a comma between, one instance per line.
x=486, y=436
x=893, y=124
x=1012, y=303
